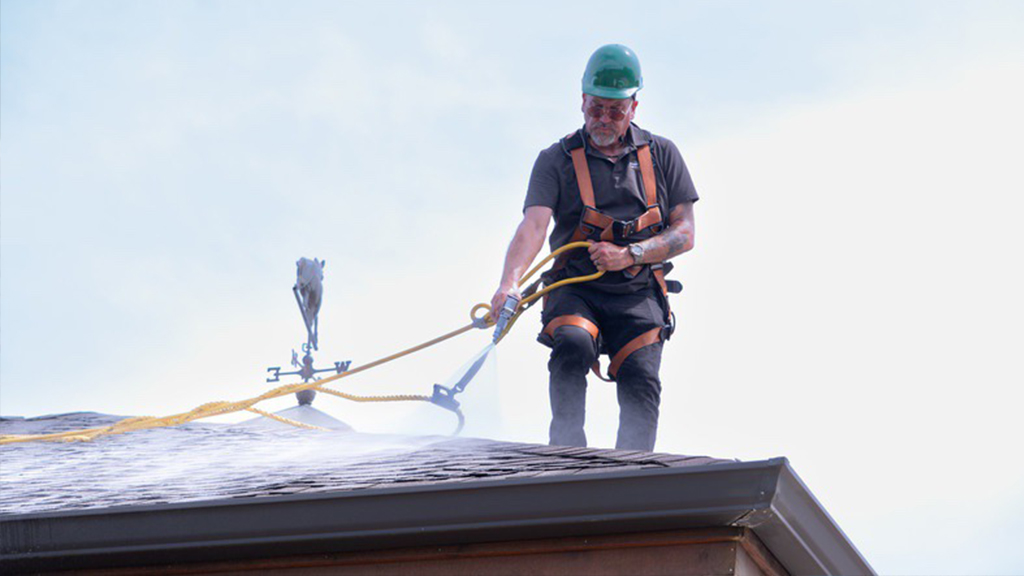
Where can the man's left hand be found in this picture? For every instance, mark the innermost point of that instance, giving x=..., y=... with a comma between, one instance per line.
x=609, y=257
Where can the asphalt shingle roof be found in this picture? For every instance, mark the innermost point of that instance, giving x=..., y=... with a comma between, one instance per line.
x=211, y=462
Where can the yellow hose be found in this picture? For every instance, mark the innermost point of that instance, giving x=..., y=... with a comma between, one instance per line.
x=540, y=293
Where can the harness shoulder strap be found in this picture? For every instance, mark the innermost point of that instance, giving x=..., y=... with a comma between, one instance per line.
x=579, y=163
x=643, y=156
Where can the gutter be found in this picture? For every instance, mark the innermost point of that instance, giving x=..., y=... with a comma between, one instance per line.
x=796, y=527
x=765, y=496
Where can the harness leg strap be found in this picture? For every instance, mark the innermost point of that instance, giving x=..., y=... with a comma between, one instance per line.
x=571, y=320
x=652, y=336
x=579, y=322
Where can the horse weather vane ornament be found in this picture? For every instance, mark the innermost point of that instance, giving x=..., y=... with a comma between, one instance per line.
x=308, y=292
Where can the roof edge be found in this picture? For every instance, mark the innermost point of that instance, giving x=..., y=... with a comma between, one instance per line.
x=764, y=495
x=801, y=534
x=451, y=513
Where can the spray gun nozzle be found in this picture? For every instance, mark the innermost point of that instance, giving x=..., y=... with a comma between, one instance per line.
x=507, y=311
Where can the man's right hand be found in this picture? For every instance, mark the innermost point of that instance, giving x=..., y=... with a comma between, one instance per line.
x=498, y=300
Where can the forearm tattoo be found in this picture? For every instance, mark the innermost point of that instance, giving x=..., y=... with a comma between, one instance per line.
x=673, y=241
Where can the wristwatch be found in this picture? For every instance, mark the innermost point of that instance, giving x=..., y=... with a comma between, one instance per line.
x=637, y=252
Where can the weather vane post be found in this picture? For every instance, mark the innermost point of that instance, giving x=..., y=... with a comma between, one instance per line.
x=308, y=292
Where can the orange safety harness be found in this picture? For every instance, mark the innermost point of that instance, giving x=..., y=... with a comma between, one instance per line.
x=597, y=225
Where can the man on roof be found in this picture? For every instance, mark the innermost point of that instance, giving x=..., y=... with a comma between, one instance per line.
x=628, y=192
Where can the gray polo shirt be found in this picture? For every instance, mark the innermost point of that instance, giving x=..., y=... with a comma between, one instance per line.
x=618, y=191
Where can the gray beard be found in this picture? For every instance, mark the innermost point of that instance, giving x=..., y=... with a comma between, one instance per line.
x=605, y=140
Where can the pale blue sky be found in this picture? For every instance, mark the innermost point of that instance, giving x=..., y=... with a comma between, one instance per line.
x=852, y=303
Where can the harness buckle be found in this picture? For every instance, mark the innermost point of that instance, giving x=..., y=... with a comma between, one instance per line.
x=624, y=229
x=669, y=328
x=585, y=225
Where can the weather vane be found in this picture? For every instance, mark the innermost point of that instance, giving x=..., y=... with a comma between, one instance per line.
x=308, y=292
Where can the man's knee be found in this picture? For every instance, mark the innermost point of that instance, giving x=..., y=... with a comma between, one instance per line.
x=573, y=349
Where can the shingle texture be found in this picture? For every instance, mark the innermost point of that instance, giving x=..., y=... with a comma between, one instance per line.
x=211, y=462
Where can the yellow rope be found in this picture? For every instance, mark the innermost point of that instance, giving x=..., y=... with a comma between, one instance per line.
x=222, y=407
x=295, y=423
x=393, y=398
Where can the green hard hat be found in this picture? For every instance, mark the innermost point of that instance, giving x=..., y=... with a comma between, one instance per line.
x=613, y=71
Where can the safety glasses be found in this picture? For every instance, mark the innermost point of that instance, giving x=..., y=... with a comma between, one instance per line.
x=615, y=114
